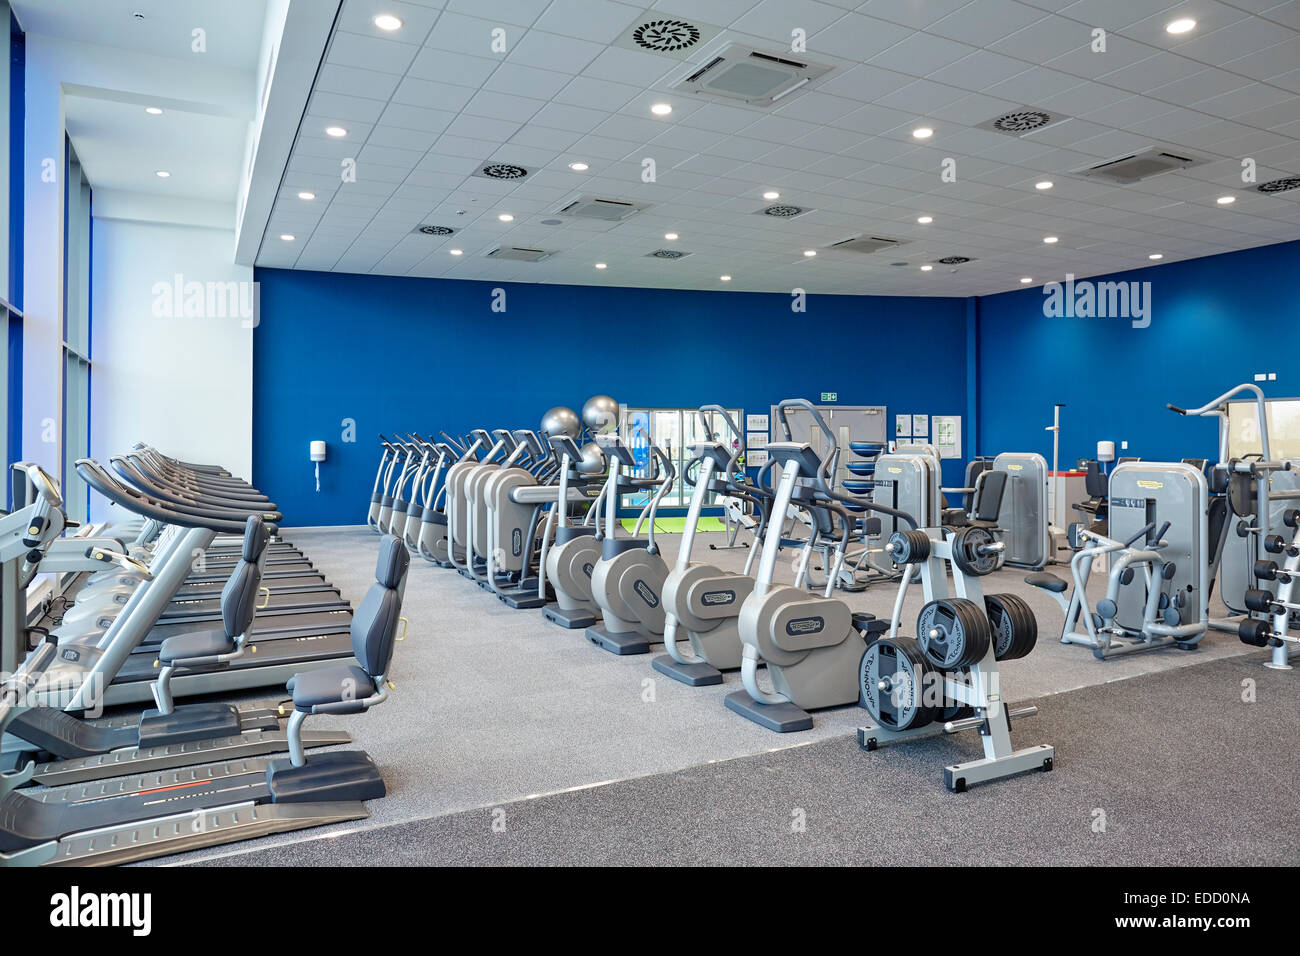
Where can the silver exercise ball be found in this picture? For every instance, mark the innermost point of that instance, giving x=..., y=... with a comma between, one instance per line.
x=593, y=460
x=600, y=414
x=561, y=420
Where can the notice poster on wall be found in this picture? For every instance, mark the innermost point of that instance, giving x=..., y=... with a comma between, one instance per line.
x=920, y=427
x=756, y=423
x=902, y=426
x=756, y=458
x=947, y=435
x=756, y=440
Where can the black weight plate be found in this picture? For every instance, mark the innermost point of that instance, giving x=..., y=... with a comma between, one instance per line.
x=1015, y=629
x=1241, y=494
x=899, y=663
x=965, y=551
x=953, y=633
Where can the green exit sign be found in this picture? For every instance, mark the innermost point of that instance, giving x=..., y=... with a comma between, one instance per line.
x=830, y=396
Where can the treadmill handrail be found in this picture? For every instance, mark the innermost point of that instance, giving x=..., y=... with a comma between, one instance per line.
x=95, y=475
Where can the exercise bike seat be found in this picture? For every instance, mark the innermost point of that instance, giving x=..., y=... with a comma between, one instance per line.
x=195, y=645
x=331, y=685
x=1048, y=582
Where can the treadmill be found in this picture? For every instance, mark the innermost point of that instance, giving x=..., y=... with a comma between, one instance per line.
x=117, y=665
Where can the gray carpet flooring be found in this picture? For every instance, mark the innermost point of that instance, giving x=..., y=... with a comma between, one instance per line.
x=495, y=705
x=1173, y=768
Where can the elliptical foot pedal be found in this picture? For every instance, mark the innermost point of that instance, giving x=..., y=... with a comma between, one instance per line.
x=783, y=718
x=325, y=778
x=622, y=644
x=699, y=674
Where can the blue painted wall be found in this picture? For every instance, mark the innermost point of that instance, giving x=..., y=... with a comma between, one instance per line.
x=403, y=354
x=1215, y=322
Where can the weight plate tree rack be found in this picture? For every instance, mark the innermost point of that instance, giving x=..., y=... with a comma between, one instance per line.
x=896, y=671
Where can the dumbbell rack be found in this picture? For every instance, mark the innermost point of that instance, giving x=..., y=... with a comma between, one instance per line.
x=977, y=686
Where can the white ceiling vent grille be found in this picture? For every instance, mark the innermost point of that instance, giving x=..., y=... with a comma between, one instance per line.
x=508, y=172
x=865, y=244
x=518, y=254
x=1140, y=165
x=431, y=230
x=1280, y=185
x=666, y=35
x=1027, y=119
x=751, y=76
x=671, y=254
x=610, y=210
x=783, y=211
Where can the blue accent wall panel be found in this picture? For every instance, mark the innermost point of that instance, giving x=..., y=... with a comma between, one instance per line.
x=406, y=354
x=1214, y=323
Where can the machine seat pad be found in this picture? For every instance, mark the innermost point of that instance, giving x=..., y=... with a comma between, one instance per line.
x=1048, y=582
x=330, y=685
x=195, y=644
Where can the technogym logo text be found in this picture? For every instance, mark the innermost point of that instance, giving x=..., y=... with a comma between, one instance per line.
x=178, y=298
x=75, y=909
x=1086, y=299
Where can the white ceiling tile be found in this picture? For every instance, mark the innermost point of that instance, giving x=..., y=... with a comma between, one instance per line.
x=979, y=70
x=629, y=66
x=527, y=81
x=371, y=53
x=597, y=20
x=912, y=13
x=355, y=81
x=338, y=106
x=472, y=36
x=856, y=38
x=775, y=19
x=457, y=69
x=551, y=51
x=501, y=106
x=518, y=12
x=358, y=16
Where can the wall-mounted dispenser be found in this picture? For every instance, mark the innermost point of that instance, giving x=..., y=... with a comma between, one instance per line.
x=318, y=455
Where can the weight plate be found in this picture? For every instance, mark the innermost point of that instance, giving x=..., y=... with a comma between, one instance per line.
x=1015, y=629
x=966, y=545
x=954, y=633
x=1241, y=494
x=909, y=547
x=893, y=679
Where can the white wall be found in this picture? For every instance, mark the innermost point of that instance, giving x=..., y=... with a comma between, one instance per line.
x=55, y=66
x=183, y=384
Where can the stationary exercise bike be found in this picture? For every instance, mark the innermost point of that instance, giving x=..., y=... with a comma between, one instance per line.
x=627, y=582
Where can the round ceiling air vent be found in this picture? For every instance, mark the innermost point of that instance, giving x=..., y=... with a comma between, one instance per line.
x=669, y=254
x=783, y=212
x=436, y=230
x=504, y=171
x=1280, y=185
x=1021, y=121
x=954, y=260
x=666, y=36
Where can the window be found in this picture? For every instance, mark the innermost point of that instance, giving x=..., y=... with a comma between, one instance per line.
x=673, y=430
x=12, y=96
x=76, y=333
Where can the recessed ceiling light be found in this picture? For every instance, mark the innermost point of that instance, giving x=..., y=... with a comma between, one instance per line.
x=153, y=110
x=600, y=265
x=661, y=109
x=335, y=131
x=926, y=268
x=579, y=167
x=1156, y=255
x=670, y=236
x=1050, y=239
x=455, y=252
x=771, y=194
x=1224, y=200
x=1045, y=184
x=1181, y=25
x=161, y=173
x=506, y=217
x=306, y=195
x=922, y=132
x=386, y=21
x=725, y=278
x=287, y=237
x=1026, y=280
x=810, y=252
x=925, y=220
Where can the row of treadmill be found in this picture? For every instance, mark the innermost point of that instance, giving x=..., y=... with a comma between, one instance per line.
x=535, y=518
x=190, y=594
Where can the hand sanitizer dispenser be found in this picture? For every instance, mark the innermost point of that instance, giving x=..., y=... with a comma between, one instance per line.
x=318, y=455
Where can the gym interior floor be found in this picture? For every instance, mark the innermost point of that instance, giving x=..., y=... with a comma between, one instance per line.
x=511, y=741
